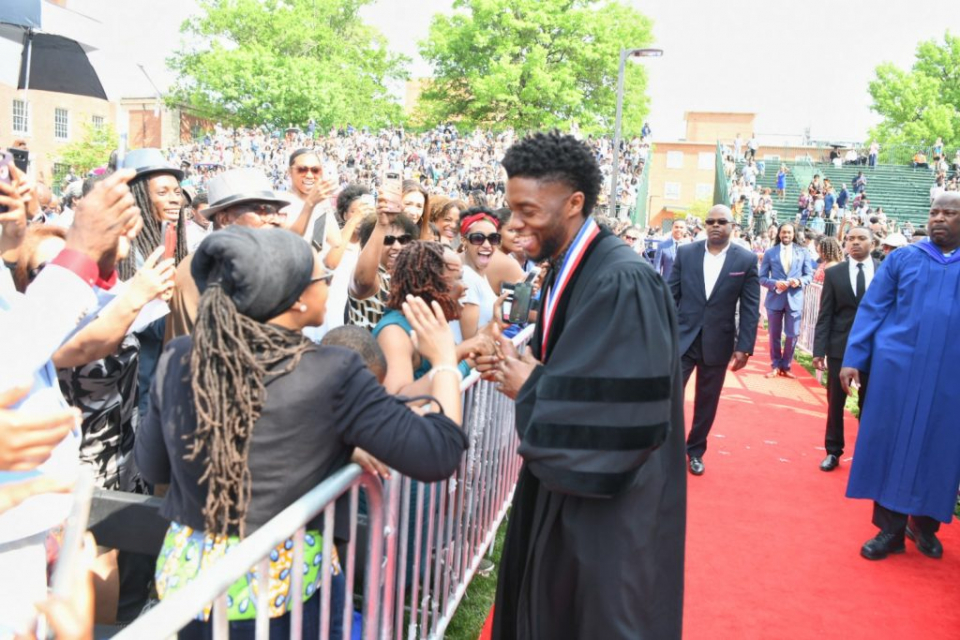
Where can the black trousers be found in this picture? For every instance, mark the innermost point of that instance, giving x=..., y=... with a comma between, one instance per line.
x=836, y=401
x=896, y=523
x=709, y=386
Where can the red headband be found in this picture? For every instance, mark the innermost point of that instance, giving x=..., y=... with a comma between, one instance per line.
x=477, y=217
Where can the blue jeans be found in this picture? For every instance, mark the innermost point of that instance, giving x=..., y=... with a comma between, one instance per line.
x=783, y=323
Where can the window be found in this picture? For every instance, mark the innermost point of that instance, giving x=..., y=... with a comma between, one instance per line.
x=706, y=160
x=674, y=159
x=671, y=191
x=61, y=124
x=98, y=122
x=21, y=116
x=704, y=191
x=60, y=172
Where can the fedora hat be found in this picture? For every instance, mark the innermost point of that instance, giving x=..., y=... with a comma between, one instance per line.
x=238, y=186
x=147, y=161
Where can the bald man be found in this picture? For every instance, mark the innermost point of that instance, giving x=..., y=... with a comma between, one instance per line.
x=710, y=278
x=907, y=458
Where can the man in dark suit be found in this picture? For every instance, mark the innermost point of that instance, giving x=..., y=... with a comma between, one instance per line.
x=843, y=287
x=667, y=251
x=711, y=282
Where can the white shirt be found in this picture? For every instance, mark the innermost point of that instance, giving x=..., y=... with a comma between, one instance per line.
x=867, y=272
x=787, y=257
x=712, y=267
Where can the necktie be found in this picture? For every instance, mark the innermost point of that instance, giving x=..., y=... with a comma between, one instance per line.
x=788, y=260
x=861, y=281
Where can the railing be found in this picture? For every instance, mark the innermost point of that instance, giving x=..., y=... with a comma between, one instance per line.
x=452, y=525
x=808, y=317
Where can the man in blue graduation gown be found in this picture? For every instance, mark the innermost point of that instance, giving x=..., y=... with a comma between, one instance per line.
x=595, y=544
x=907, y=458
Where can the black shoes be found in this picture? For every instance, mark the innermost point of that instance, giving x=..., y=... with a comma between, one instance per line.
x=696, y=465
x=882, y=545
x=830, y=463
x=927, y=543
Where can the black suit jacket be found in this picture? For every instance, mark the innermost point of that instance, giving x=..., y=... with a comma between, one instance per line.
x=838, y=308
x=716, y=316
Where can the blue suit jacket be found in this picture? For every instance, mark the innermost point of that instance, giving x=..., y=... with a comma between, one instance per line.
x=665, y=256
x=771, y=270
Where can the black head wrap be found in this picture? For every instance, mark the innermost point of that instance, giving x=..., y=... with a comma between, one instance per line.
x=263, y=271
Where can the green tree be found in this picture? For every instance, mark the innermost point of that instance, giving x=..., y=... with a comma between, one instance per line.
x=284, y=62
x=92, y=150
x=534, y=64
x=921, y=104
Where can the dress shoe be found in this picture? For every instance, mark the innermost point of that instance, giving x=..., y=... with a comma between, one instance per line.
x=830, y=463
x=696, y=466
x=786, y=374
x=882, y=545
x=773, y=374
x=927, y=543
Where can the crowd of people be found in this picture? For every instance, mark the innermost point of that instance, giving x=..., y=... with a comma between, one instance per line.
x=227, y=323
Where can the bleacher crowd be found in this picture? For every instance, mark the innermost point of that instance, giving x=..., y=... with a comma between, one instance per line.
x=357, y=276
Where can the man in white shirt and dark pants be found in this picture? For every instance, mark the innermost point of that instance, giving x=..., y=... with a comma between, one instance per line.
x=843, y=287
x=714, y=282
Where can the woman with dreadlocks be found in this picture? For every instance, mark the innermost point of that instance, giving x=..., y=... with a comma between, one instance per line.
x=247, y=415
x=156, y=191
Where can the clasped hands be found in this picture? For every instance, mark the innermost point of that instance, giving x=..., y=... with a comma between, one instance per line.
x=506, y=366
x=783, y=285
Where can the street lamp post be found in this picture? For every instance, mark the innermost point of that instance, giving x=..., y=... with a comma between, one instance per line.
x=624, y=54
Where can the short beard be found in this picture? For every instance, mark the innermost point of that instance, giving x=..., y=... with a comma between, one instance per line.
x=550, y=247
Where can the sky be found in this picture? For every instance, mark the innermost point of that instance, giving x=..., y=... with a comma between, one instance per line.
x=797, y=65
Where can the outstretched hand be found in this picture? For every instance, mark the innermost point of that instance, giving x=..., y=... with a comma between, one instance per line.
x=434, y=339
x=507, y=368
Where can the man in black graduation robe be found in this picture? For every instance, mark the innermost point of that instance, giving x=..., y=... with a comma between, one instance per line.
x=595, y=543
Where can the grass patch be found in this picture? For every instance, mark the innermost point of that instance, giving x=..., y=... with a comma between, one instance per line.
x=468, y=621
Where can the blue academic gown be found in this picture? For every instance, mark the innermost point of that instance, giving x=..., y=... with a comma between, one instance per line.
x=905, y=334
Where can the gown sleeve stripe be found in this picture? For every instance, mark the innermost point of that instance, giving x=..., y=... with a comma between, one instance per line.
x=595, y=437
x=584, y=483
x=603, y=389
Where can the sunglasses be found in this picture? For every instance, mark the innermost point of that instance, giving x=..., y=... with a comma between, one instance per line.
x=631, y=238
x=304, y=170
x=477, y=239
x=33, y=273
x=403, y=240
x=718, y=222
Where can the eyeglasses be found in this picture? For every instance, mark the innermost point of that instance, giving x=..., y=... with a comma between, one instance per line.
x=477, y=239
x=262, y=210
x=631, y=238
x=403, y=240
x=716, y=222
x=325, y=278
x=302, y=170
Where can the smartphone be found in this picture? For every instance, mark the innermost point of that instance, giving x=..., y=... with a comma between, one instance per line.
x=393, y=191
x=6, y=160
x=21, y=158
x=169, y=241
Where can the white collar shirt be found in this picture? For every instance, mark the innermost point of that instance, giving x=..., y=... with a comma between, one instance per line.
x=867, y=272
x=712, y=268
x=786, y=257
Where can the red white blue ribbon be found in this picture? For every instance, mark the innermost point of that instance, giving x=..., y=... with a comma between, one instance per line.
x=585, y=236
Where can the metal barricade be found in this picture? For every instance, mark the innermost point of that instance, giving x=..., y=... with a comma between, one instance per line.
x=446, y=528
x=426, y=540
x=808, y=319
x=176, y=611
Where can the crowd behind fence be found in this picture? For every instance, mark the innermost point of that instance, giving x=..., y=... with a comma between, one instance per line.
x=422, y=542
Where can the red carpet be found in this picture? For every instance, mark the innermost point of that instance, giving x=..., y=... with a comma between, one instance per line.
x=773, y=545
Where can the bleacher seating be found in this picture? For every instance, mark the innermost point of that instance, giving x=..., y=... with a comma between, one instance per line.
x=903, y=192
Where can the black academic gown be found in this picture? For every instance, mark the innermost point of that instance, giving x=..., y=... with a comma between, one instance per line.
x=595, y=543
